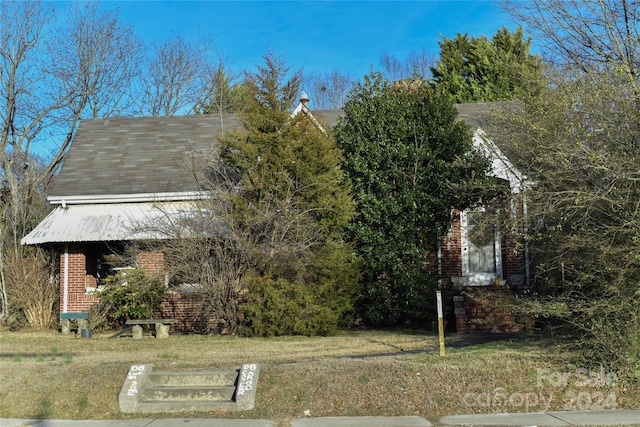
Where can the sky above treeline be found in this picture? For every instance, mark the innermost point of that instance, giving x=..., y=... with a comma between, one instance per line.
x=319, y=36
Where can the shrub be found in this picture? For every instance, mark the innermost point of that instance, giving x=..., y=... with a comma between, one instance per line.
x=280, y=307
x=132, y=295
x=32, y=287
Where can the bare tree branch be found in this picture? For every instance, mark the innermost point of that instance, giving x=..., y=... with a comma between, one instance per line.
x=179, y=77
x=328, y=90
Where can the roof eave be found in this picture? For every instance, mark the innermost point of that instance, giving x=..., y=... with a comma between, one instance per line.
x=127, y=198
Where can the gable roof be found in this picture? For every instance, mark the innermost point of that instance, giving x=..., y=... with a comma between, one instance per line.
x=483, y=114
x=481, y=117
x=147, y=158
x=487, y=137
x=140, y=155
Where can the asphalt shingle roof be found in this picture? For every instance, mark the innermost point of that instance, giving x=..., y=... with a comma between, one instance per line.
x=136, y=155
x=147, y=155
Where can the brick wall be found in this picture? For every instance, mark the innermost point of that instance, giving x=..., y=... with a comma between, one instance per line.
x=82, y=274
x=83, y=268
x=513, y=262
x=487, y=309
x=186, y=309
x=451, y=249
x=477, y=308
x=189, y=309
x=152, y=262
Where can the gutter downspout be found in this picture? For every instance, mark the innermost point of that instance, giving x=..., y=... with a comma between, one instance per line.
x=65, y=280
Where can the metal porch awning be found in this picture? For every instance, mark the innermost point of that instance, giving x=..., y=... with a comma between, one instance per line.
x=115, y=222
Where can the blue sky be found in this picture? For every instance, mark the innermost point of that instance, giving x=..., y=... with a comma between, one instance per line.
x=349, y=36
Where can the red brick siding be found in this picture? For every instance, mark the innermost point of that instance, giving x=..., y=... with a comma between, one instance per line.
x=483, y=309
x=151, y=262
x=192, y=316
x=83, y=266
x=82, y=262
x=451, y=249
x=81, y=275
x=186, y=309
x=475, y=309
x=513, y=261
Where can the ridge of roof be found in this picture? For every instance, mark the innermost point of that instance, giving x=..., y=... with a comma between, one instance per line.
x=115, y=156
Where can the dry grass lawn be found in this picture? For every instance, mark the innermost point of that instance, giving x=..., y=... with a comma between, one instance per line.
x=46, y=375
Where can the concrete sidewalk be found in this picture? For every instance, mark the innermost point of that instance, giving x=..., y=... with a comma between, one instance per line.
x=552, y=418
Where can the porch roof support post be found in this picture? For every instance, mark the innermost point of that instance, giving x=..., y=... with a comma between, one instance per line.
x=65, y=280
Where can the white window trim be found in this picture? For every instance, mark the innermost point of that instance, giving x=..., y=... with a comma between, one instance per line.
x=478, y=279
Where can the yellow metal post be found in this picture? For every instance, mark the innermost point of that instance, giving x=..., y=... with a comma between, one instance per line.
x=440, y=322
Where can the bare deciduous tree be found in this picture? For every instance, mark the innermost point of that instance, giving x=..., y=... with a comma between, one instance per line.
x=586, y=34
x=32, y=286
x=103, y=56
x=328, y=90
x=206, y=250
x=52, y=74
x=578, y=139
x=178, y=78
x=419, y=63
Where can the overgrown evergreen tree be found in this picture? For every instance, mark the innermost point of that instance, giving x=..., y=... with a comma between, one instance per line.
x=474, y=69
x=410, y=161
x=226, y=93
x=295, y=202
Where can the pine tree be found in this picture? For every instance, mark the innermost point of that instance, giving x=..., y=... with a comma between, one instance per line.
x=295, y=201
x=474, y=69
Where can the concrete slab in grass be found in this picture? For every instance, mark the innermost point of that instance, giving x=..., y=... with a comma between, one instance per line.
x=210, y=422
x=136, y=422
x=144, y=391
x=247, y=384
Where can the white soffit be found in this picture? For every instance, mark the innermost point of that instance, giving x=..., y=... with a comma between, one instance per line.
x=501, y=167
x=113, y=222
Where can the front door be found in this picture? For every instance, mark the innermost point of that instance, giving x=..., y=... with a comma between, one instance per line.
x=481, y=257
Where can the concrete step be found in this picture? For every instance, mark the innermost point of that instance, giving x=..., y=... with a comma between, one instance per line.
x=182, y=391
x=187, y=393
x=182, y=406
x=213, y=377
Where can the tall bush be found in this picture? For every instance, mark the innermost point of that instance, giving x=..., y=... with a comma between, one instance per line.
x=32, y=286
x=280, y=307
x=579, y=142
x=410, y=160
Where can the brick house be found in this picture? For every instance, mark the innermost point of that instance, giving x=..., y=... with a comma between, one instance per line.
x=485, y=273
x=121, y=172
